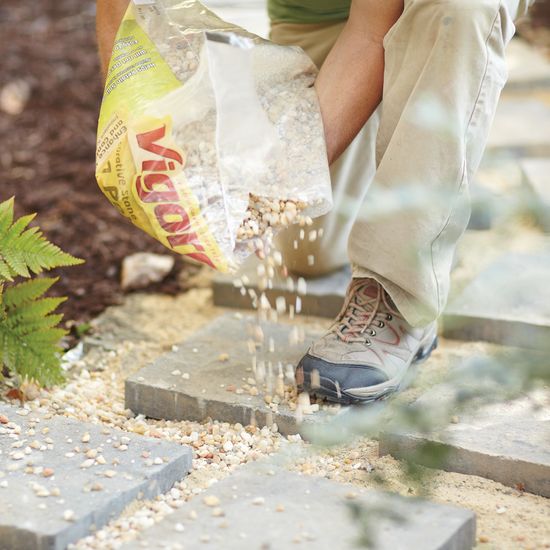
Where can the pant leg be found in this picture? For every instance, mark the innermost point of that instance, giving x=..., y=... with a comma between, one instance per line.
x=444, y=72
x=350, y=175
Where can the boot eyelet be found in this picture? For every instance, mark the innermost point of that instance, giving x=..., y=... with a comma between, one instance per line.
x=381, y=324
x=389, y=317
x=372, y=332
x=368, y=343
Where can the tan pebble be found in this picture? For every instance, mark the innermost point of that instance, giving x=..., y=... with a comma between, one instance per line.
x=4, y=419
x=258, y=501
x=223, y=357
x=47, y=472
x=211, y=500
x=218, y=512
x=86, y=438
x=96, y=487
x=109, y=473
x=280, y=508
x=68, y=515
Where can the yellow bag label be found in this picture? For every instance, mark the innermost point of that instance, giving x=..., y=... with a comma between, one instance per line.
x=138, y=165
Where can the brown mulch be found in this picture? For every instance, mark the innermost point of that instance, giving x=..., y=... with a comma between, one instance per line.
x=47, y=152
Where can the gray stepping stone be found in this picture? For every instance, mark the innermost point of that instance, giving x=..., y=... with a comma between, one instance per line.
x=536, y=178
x=507, y=303
x=521, y=128
x=527, y=68
x=324, y=296
x=34, y=515
x=191, y=383
x=508, y=443
x=313, y=513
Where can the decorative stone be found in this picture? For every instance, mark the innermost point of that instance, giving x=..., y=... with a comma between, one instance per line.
x=213, y=388
x=51, y=511
x=288, y=510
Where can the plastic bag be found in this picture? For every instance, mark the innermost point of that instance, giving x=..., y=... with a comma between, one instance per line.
x=199, y=120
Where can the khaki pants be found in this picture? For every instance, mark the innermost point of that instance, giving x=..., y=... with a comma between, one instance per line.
x=444, y=71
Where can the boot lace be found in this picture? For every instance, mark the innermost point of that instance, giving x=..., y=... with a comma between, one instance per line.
x=361, y=313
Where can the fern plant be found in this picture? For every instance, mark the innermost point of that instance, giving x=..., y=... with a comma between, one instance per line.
x=29, y=328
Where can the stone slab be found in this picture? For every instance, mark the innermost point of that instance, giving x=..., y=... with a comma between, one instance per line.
x=324, y=296
x=509, y=443
x=527, y=67
x=521, y=127
x=158, y=393
x=507, y=303
x=536, y=178
x=29, y=522
x=315, y=516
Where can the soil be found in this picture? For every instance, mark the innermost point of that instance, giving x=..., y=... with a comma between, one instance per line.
x=48, y=151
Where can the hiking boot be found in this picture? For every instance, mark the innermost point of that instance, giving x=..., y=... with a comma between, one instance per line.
x=368, y=350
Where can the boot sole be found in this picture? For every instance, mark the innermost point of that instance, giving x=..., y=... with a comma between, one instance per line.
x=327, y=392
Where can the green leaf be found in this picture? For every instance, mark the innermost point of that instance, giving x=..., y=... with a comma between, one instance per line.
x=24, y=249
x=29, y=290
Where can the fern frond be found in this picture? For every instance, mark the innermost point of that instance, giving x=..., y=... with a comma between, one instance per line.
x=23, y=249
x=29, y=337
x=27, y=291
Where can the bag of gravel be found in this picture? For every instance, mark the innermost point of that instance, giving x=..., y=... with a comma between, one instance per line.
x=210, y=138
